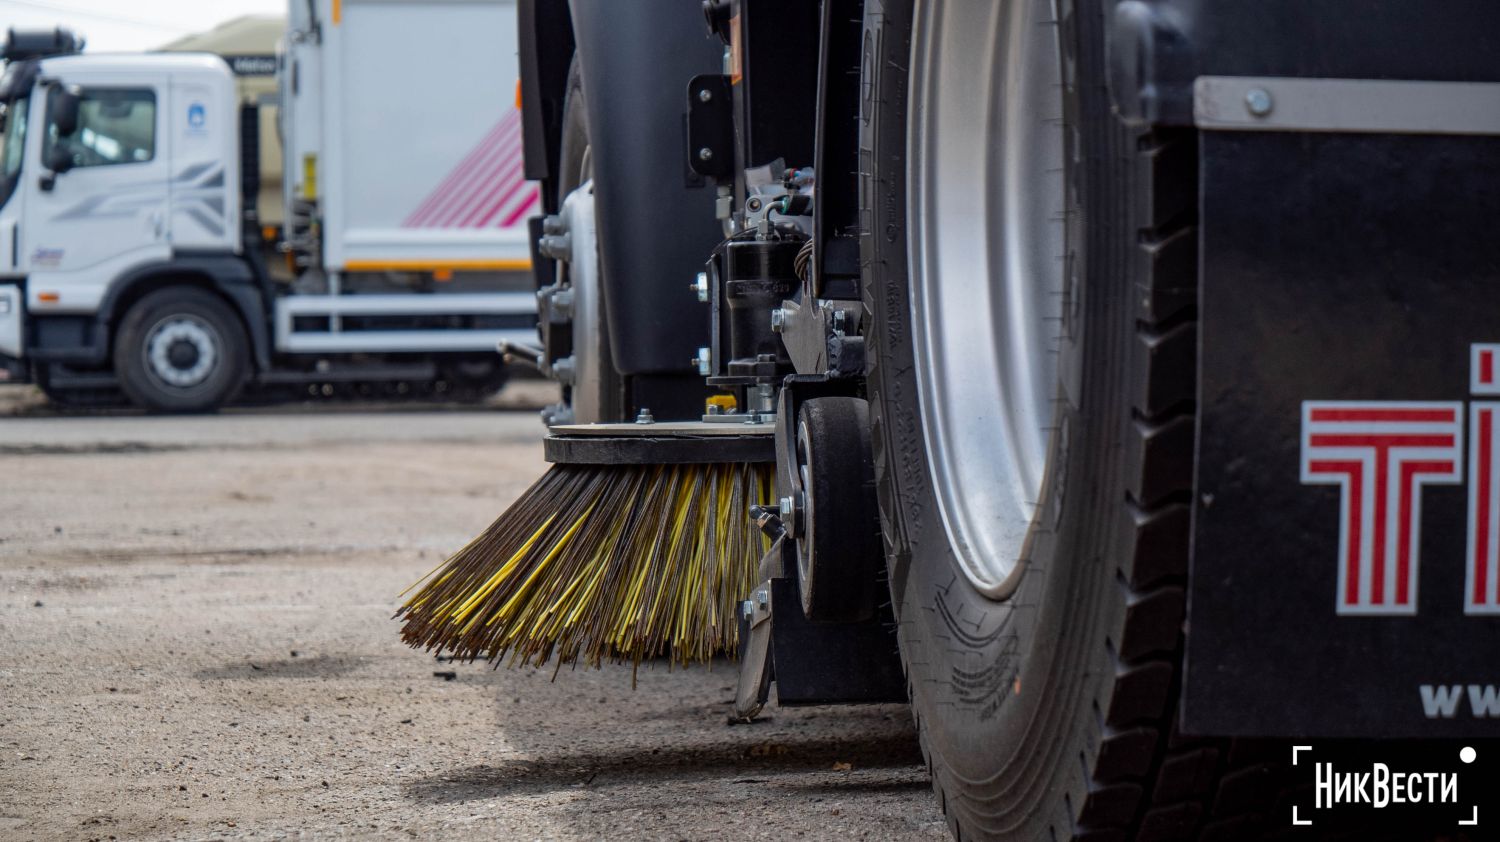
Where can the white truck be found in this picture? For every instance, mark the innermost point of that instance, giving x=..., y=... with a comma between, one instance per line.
x=130, y=256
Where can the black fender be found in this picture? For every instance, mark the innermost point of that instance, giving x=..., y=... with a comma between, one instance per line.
x=655, y=232
x=545, y=50
x=229, y=275
x=636, y=65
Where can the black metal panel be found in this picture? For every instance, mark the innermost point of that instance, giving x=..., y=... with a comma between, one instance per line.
x=668, y=395
x=836, y=212
x=1158, y=47
x=832, y=663
x=776, y=93
x=1334, y=268
x=545, y=51
x=653, y=231
x=710, y=126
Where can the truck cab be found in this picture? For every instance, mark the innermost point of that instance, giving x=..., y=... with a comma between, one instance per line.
x=113, y=166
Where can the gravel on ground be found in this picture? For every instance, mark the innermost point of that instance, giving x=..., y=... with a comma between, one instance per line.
x=196, y=642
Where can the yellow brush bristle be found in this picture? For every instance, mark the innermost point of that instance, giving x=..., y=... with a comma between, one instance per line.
x=598, y=563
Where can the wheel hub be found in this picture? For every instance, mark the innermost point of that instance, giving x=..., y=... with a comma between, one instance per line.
x=181, y=351
x=986, y=208
x=182, y=355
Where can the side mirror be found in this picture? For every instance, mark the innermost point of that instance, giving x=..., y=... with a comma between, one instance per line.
x=59, y=159
x=62, y=110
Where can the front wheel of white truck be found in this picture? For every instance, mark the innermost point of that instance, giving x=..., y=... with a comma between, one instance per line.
x=180, y=349
x=1030, y=286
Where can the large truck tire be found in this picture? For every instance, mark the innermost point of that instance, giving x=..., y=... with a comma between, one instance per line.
x=1030, y=288
x=180, y=349
x=598, y=392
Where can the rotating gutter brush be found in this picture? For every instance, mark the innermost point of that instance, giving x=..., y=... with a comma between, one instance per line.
x=638, y=543
x=635, y=545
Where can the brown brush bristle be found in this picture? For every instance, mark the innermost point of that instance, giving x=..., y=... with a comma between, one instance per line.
x=598, y=563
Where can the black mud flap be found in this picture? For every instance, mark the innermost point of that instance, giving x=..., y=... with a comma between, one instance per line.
x=1346, y=556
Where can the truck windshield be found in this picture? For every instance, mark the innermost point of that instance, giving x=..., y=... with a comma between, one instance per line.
x=12, y=146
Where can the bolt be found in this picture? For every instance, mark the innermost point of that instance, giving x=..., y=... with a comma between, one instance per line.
x=700, y=286
x=704, y=361
x=1258, y=101
x=561, y=310
x=705, y=95
x=556, y=246
x=791, y=516
x=753, y=204
x=705, y=154
x=714, y=409
x=778, y=319
x=747, y=608
x=840, y=319
x=644, y=417
x=558, y=413
x=762, y=599
x=565, y=370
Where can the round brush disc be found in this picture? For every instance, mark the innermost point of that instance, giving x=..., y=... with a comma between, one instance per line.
x=664, y=443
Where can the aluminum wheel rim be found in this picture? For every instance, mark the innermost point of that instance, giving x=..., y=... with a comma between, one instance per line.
x=985, y=206
x=170, y=331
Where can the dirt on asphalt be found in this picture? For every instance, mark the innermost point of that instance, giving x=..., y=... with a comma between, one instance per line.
x=196, y=642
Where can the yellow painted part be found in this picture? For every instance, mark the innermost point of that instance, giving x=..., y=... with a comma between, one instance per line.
x=591, y=582
x=726, y=403
x=509, y=606
x=505, y=569
x=310, y=175
x=679, y=522
x=653, y=578
x=338, y=11
x=588, y=594
x=435, y=265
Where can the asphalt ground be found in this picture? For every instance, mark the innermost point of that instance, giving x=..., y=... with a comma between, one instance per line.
x=196, y=642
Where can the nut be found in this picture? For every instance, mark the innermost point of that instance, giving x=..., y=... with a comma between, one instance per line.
x=1258, y=101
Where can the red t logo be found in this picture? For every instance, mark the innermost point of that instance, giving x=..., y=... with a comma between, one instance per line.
x=1380, y=454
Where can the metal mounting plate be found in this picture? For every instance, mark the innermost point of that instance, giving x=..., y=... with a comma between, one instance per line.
x=1254, y=103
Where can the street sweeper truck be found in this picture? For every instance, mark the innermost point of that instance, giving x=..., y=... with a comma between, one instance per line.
x=1114, y=381
x=131, y=257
